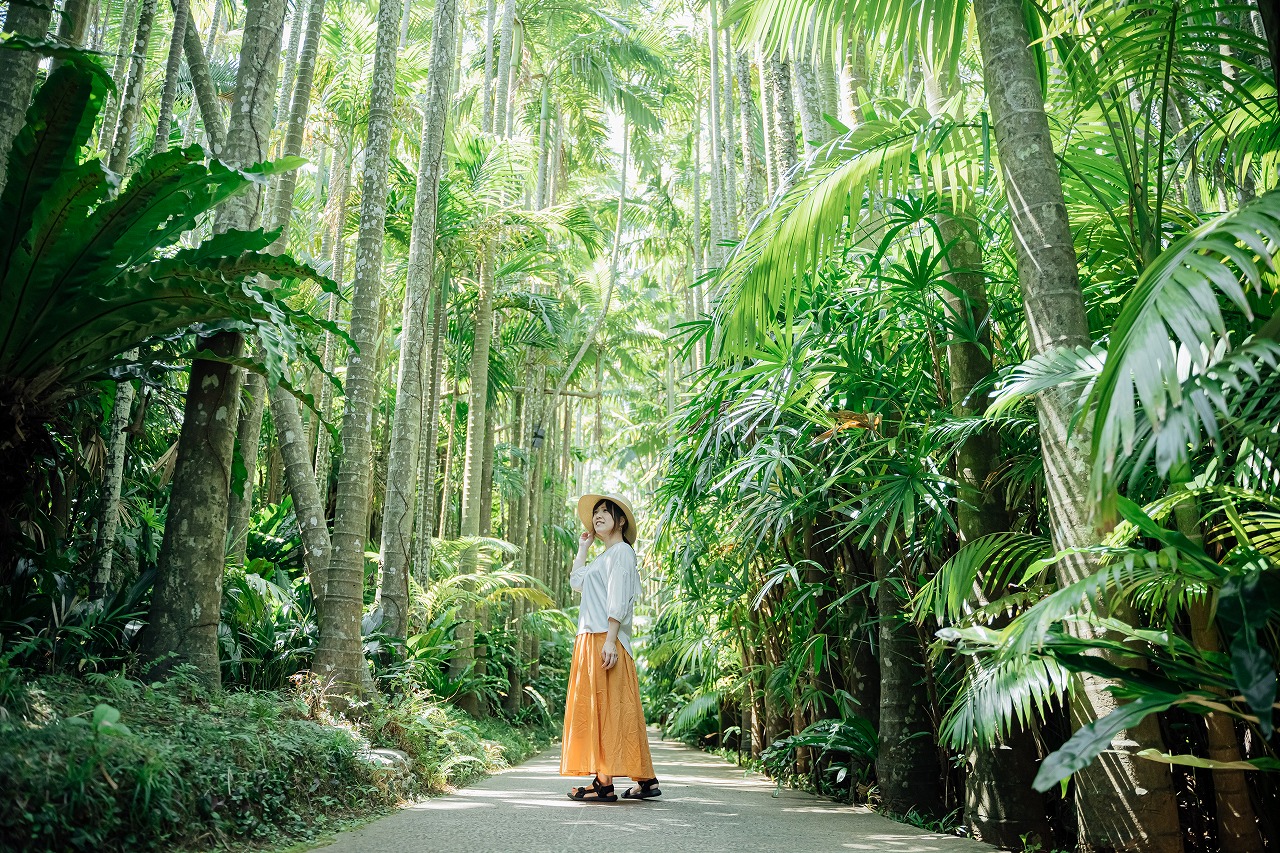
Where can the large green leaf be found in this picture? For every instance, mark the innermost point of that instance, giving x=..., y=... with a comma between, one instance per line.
x=1175, y=312
x=1090, y=740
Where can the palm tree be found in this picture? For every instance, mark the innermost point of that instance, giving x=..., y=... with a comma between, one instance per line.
x=417, y=378
x=18, y=71
x=1111, y=812
x=181, y=14
x=183, y=618
x=339, y=654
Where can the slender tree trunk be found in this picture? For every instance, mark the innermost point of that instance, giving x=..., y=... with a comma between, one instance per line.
x=290, y=61
x=850, y=80
x=517, y=58
x=503, y=80
x=112, y=485
x=809, y=95
x=413, y=382
x=73, y=23
x=181, y=13
x=128, y=28
x=729, y=139
x=1233, y=809
x=768, y=107
x=183, y=623
x=784, y=121
x=431, y=418
x=339, y=655
x=291, y=436
x=1001, y=807
x=131, y=94
x=339, y=199
x=486, y=94
x=715, y=134
x=696, y=236
x=446, y=508
x=473, y=463
x=486, y=472
x=907, y=768
x=202, y=83
x=248, y=436
x=749, y=118
x=1123, y=803
x=544, y=145
x=29, y=18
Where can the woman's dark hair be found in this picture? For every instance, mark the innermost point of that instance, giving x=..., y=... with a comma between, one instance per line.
x=619, y=517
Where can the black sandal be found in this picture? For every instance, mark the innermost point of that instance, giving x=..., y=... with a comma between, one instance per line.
x=648, y=788
x=597, y=793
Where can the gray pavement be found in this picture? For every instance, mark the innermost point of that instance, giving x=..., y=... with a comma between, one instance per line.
x=707, y=806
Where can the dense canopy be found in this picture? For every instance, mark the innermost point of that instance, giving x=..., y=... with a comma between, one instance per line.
x=936, y=344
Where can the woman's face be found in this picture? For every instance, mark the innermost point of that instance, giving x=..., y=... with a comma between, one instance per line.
x=602, y=521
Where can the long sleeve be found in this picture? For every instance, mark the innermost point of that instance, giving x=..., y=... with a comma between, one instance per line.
x=578, y=572
x=624, y=583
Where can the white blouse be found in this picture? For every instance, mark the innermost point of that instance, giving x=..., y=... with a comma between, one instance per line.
x=610, y=587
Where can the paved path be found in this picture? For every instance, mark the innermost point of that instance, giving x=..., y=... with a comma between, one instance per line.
x=707, y=806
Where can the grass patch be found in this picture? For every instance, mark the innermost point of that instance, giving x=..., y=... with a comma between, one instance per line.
x=111, y=763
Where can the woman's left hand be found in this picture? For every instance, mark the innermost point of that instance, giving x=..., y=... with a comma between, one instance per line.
x=609, y=654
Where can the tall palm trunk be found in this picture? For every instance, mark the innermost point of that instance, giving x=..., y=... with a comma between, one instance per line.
x=848, y=83
x=131, y=94
x=181, y=13
x=502, y=84
x=112, y=485
x=808, y=94
x=473, y=462
x=339, y=199
x=729, y=137
x=696, y=213
x=1122, y=802
x=253, y=403
x=28, y=18
x=715, y=136
x=784, y=121
x=907, y=768
x=768, y=108
x=446, y=509
x=183, y=622
x=290, y=61
x=1001, y=807
x=74, y=22
x=339, y=654
x=291, y=436
x=206, y=96
x=430, y=436
x=749, y=118
x=486, y=94
x=807, y=89
x=124, y=41
x=118, y=437
x=413, y=382
x=544, y=145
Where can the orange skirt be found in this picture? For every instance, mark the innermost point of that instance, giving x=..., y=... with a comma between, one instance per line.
x=604, y=729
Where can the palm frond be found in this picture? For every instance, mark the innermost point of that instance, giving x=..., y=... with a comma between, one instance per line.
x=1176, y=310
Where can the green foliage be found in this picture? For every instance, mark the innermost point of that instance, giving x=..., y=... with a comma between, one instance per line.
x=117, y=764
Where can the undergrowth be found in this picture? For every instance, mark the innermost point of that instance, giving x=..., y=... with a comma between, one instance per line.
x=111, y=763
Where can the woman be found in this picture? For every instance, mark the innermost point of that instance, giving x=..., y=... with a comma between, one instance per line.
x=604, y=732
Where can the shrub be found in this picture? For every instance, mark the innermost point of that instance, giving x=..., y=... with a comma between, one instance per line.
x=115, y=764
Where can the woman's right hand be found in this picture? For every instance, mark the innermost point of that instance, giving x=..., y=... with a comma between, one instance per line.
x=584, y=541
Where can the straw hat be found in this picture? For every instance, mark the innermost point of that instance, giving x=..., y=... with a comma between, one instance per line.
x=587, y=503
